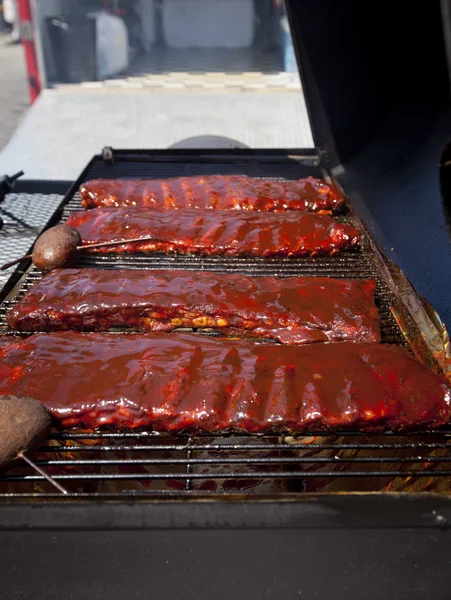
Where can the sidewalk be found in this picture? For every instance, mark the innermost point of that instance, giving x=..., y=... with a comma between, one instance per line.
x=63, y=130
x=160, y=100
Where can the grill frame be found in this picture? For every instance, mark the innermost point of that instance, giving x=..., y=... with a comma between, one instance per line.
x=421, y=329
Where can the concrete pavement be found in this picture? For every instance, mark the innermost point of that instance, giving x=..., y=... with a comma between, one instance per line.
x=67, y=125
x=63, y=130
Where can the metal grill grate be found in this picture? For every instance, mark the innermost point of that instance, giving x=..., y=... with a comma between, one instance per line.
x=142, y=463
x=353, y=264
x=117, y=464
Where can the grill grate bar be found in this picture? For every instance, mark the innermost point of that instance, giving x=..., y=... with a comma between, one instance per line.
x=268, y=442
x=221, y=475
x=189, y=460
x=58, y=435
x=248, y=447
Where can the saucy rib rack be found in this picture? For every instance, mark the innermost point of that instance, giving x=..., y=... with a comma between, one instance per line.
x=217, y=192
x=192, y=383
x=244, y=233
x=294, y=310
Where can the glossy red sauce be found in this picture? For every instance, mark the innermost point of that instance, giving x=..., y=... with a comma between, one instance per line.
x=214, y=232
x=223, y=192
x=185, y=382
x=293, y=310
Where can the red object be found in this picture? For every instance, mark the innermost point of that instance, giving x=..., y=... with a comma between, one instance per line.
x=220, y=192
x=293, y=310
x=186, y=382
x=27, y=40
x=292, y=233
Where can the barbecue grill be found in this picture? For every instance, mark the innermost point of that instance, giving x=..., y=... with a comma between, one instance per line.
x=312, y=516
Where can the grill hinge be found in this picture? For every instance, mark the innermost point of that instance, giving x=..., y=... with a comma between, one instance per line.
x=108, y=154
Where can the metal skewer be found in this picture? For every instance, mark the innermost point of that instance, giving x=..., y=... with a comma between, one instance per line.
x=87, y=247
x=46, y=476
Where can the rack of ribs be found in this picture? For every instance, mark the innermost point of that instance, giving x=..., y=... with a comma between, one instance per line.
x=192, y=383
x=214, y=232
x=223, y=192
x=294, y=310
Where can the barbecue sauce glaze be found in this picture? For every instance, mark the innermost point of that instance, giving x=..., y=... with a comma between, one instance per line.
x=186, y=382
x=214, y=232
x=294, y=310
x=230, y=192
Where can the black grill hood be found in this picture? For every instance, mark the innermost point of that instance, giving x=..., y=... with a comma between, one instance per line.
x=375, y=78
x=363, y=62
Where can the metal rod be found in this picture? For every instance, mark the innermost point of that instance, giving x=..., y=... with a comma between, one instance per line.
x=11, y=263
x=148, y=238
x=16, y=175
x=271, y=437
x=244, y=475
x=232, y=447
x=46, y=476
x=189, y=461
x=90, y=246
x=17, y=220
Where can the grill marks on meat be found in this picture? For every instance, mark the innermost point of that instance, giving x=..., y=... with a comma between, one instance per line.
x=223, y=192
x=185, y=382
x=214, y=232
x=295, y=310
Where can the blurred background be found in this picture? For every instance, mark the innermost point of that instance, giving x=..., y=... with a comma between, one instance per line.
x=143, y=73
